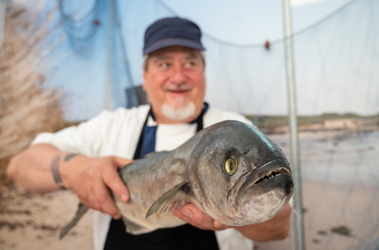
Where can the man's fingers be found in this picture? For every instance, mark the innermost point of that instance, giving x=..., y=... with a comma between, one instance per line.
x=98, y=178
x=192, y=215
x=112, y=179
x=218, y=226
x=122, y=162
x=104, y=201
x=110, y=208
x=120, y=189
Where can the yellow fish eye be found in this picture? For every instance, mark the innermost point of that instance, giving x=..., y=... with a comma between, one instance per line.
x=231, y=165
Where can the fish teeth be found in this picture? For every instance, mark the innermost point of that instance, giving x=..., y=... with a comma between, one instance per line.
x=272, y=174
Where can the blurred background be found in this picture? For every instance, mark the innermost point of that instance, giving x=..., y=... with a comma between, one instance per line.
x=64, y=61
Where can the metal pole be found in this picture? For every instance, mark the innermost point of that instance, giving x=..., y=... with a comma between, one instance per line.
x=109, y=99
x=123, y=48
x=291, y=92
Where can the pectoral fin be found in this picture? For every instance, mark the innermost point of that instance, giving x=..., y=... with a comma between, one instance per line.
x=134, y=228
x=174, y=198
x=82, y=209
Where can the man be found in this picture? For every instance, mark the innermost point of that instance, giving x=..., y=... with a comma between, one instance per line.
x=85, y=158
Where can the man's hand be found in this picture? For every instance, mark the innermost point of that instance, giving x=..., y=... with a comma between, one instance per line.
x=194, y=216
x=275, y=229
x=92, y=179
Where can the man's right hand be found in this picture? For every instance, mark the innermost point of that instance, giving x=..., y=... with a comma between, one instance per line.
x=92, y=179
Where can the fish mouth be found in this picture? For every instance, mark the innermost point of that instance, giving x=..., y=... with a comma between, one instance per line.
x=267, y=171
x=264, y=178
x=273, y=173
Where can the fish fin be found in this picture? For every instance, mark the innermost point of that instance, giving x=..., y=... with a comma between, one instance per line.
x=82, y=209
x=150, y=154
x=155, y=153
x=174, y=198
x=132, y=227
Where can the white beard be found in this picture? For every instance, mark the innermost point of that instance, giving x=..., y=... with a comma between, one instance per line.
x=178, y=114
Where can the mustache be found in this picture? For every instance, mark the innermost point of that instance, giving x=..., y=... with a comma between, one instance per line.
x=178, y=87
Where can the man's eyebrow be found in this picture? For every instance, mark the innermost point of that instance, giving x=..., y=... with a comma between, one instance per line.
x=193, y=56
x=160, y=58
x=190, y=56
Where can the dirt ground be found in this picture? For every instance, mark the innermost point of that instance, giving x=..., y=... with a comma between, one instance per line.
x=340, y=201
x=33, y=221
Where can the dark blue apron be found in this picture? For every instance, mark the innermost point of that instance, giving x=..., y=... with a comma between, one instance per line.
x=177, y=238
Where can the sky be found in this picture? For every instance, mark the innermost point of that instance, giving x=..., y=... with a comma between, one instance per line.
x=335, y=60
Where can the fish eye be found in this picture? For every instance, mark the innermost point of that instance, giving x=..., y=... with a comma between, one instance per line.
x=231, y=165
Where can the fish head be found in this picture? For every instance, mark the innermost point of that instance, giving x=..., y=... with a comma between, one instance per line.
x=239, y=176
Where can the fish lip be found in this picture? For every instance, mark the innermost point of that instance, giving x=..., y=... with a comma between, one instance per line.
x=265, y=172
x=268, y=171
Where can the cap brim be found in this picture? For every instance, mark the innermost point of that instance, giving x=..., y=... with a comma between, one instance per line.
x=172, y=42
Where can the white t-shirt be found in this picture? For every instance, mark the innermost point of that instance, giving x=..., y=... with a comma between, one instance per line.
x=116, y=133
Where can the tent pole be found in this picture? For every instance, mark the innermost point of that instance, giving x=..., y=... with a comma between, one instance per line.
x=291, y=95
x=109, y=87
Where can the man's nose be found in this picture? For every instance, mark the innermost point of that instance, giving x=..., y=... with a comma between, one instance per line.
x=178, y=75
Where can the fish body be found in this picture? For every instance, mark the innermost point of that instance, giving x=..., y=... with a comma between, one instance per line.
x=231, y=171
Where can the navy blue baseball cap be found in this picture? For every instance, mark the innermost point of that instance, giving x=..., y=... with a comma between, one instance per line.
x=172, y=31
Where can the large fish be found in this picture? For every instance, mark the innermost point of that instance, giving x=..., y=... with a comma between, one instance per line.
x=231, y=171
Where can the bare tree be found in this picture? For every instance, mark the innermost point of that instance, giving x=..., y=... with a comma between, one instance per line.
x=27, y=108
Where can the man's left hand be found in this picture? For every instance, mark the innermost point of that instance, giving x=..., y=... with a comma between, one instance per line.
x=276, y=228
x=197, y=218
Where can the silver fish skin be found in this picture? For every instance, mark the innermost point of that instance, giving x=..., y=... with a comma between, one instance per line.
x=231, y=171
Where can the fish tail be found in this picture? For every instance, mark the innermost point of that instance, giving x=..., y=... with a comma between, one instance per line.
x=82, y=209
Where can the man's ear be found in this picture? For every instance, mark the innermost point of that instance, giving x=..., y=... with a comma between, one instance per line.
x=144, y=80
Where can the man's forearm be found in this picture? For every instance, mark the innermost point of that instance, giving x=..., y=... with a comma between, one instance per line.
x=32, y=168
x=43, y=168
